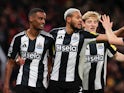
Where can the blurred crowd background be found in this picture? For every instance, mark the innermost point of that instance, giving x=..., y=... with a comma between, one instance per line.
x=13, y=19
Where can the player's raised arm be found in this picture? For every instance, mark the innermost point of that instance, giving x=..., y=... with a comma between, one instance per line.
x=112, y=38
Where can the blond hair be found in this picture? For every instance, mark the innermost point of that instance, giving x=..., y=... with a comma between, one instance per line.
x=91, y=14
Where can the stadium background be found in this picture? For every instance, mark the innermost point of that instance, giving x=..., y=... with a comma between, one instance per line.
x=13, y=19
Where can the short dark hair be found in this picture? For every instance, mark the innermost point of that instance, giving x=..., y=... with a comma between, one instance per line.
x=35, y=10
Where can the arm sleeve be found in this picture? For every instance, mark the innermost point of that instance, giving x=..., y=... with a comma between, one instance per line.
x=51, y=48
x=14, y=48
x=111, y=50
x=89, y=34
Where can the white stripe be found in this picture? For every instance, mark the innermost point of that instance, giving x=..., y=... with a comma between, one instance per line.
x=70, y=71
x=109, y=53
x=24, y=40
x=19, y=77
x=33, y=74
x=45, y=62
x=99, y=66
x=81, y=63
x=55, y=72
x=86, y=68
x=105, y=67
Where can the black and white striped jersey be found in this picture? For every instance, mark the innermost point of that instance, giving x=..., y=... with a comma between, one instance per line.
x=35, y=52
x=67, y=50
x=92, y=68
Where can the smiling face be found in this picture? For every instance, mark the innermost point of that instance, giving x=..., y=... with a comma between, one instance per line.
x=91, y=24
x=37, y=20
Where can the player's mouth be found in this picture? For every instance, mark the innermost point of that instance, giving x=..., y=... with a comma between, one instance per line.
x=42, y=25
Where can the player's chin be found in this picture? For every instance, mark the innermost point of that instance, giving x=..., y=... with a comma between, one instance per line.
x=41, y=28
x=79, y=27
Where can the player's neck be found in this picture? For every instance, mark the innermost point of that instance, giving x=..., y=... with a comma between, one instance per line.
x=69, y=30
x=32, y=34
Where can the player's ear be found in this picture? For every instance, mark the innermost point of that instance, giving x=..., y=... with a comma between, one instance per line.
x=30, y=18
x=68, y=19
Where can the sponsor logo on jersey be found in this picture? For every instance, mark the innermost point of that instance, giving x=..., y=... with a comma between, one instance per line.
x=94, y=58
x=100, y=46
x=30, y=55
x=80, y=89
x=75, y=37
x=66, y=48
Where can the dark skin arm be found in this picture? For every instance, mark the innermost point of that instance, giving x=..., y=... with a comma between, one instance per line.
x=50, y=64
x=119, y=32
x=8, y=71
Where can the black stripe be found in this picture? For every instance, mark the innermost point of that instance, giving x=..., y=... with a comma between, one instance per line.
x=102, y=77
x=64, y=59
x=31, y=46
x=93, y=49
x=81, y=41
x=92, y=76
x=40, y=73
x=26, y=67
x=92, y=73
x=16, y=47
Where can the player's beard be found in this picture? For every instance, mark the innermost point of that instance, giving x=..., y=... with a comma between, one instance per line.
x=39, y=29
x=72, y=25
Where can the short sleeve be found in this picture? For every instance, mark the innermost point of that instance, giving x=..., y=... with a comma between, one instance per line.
x=14, y=48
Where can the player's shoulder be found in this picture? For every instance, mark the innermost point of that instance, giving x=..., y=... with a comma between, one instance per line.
x=59, y=28
x=55, y=30
x=22, y=33
x=87, y=32
x=45, y=34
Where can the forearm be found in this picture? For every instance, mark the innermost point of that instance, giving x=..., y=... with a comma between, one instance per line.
x=50, y=64
x=8, y=71
x=119, y=57
x=102, y=37
x=119, y=32
x=110, y=35
x=112, y=38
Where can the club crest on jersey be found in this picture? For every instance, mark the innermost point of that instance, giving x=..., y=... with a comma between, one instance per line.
x=39, y=46
x=100, y=46
x=75, y=37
